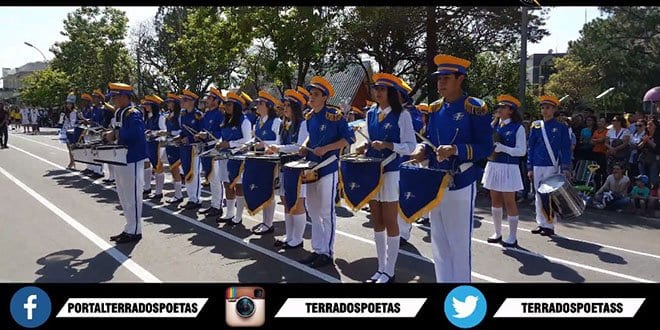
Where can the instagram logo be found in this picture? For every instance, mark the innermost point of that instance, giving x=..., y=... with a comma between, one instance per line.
x=245, y=306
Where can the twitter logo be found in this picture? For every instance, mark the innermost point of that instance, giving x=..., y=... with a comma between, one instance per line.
x=465, y=306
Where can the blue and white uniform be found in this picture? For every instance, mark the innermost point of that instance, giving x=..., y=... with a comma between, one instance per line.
x=464, y=123
x=324, y=127
x=130, y=178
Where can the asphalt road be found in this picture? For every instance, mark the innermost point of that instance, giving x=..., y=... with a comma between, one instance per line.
x=56, y=226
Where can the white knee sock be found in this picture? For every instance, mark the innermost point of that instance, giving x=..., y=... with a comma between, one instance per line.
x=380, y=237
x=392, y=254
x=231, y=208
x=497, y=221
x=288, y=226
x=177, y=190
x=269, y=214
x=160, y=181
x=240, y=204
x=513, y=228
x=147, y=179
x=298, y=227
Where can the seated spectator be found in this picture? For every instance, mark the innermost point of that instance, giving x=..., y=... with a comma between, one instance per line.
x=640, y=194
x=653, y=200
x=613, y=194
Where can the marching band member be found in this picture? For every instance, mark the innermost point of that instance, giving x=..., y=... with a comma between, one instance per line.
x=130, y=177
x=502, y=174
x=424, y=110
x=549, y=151
x=328, y=133
x=190, y=125
x=212, y=122
x=305, y=94
x=404, y=90
x=267, y=131
x=68, y=123
x=459, y=126
x=173, y=153
x=154, y=123
x=390, y=128
x=236, y=131
x=87, y=114
x=292, y=133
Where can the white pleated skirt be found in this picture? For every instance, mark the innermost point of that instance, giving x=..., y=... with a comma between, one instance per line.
x=502, y=177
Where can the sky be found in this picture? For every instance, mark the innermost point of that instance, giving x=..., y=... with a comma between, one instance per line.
x=41, y=27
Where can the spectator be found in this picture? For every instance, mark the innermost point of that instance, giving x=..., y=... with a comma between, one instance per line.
x=584, y=145
x=653, y=200
x=599, y=150
x=649, y=152
x=640, y=194
x=635, y=139
x=4, y=126
x=612, y=194
x=617, y=143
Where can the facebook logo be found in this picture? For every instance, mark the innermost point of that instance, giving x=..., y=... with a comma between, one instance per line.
x=30, y=307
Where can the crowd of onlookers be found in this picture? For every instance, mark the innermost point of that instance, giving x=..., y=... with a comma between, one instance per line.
x=30, y=119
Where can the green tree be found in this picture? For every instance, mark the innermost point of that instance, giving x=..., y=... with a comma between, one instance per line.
x=45, y=88
x=575, y=79
x=625, y=47
x=493, y=74
x=94, y=53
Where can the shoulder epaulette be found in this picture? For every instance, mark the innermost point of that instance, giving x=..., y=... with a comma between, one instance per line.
x=536, y=124
x=198, y=116
x=436, y=105
x=333, y=114
x=130, y=110
x=475, y=106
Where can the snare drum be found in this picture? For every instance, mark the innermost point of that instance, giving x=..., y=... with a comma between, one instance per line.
x=361, y=179
x=563, y=195
x=114, y=154
x=84, y=154
x=308, y=173
x=420, y=189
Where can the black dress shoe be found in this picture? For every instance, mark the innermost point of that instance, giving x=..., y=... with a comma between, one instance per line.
x=223, y=220
x=114, y=238
x=547, y=231
x=309, y=258
x=279, y=243
x=210, y=212
x=510, y=245
x=390, y=279
x=371, y=280
x=174, y=200
x=286, y=246
x=321, y=261
x=146, y=193
x=424, y=221
x=108, y=181
x=262, y=229
x=129, y=238
x=537, y=230
x=231, y=222
x=191, y=206
x=156, y=196
x=495, y=240
x=403, y=241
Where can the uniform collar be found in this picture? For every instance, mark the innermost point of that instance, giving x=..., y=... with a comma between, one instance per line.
x=505, y=121
x=460, y=100
x=384, y=111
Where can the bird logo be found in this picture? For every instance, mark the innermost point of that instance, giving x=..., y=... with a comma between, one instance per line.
x=353, y=185
x=408, y=195
x=253, y=187
x=465, y=306
x=458, y=116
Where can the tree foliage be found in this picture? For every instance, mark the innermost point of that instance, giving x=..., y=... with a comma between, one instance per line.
x=45, y=88
x=492, y=74
x=625, y=47
x=577, y=80
x=94, y=53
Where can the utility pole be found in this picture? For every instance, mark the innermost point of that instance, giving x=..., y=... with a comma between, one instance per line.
x=523, y=57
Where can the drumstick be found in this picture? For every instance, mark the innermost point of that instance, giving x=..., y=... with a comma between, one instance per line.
x=304, y=147
x=262, y=141
x=366, y=137
x=425, y=140
x=212, y=136
x=189, y=129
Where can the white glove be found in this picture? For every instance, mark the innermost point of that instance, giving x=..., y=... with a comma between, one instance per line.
x=499, y=147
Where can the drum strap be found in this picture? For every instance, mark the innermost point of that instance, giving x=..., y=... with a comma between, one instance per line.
x=548, y=147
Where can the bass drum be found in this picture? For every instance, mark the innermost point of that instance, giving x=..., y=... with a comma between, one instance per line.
x=563, y=195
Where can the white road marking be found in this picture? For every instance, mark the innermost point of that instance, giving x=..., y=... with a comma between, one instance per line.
x=122, y=259
x=485, y=277
x=194, y=222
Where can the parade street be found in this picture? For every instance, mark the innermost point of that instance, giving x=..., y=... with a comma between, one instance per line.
x=57, y=223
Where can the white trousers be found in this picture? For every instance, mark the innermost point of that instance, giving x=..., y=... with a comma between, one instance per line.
x=111, y=172
x=194, y=187
x=320, y=203
x=130, y=179
x=217, y=189
x=451, y=233
x=404, y=228
x=540, y=173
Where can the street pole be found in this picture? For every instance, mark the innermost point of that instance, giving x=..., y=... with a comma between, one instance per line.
x=523, y=58
x=40, y=52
